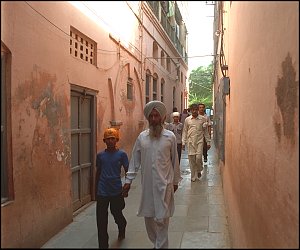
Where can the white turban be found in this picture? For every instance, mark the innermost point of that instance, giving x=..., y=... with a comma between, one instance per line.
x=175, y=114
x=159, y=106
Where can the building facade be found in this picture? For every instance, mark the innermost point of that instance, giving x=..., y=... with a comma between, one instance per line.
x=256, y=120
x=68, y=71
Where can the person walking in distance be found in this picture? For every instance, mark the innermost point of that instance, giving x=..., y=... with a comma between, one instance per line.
x=184, y=115
x=176, y=127
x=208, y=126
x=193, y=135
x=155, y=152
x=109, y=186
x=169, y=116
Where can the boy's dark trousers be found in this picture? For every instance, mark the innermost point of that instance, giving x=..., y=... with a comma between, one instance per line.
x=205, y=150
x=179, y=150
x=117, y=204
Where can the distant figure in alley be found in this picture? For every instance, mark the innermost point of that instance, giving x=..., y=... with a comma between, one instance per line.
x=208, y=125
x=194, y=131
x=176, y=127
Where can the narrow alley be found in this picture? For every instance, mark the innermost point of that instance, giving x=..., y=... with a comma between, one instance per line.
x=72, y=69
x=199, y=221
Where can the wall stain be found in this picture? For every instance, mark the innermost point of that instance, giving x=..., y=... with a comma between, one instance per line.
x=286, y=94
x=37, y=96
x=277, y=130
x=129, y=105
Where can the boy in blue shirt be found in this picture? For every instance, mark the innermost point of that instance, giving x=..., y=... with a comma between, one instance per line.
x=109, y=186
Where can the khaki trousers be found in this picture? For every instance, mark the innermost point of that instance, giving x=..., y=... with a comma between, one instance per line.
x=196, y=165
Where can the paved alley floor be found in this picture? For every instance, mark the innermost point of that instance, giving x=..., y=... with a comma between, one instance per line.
x=199, y=221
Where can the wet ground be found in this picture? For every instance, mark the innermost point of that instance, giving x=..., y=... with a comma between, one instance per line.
x=199, y=221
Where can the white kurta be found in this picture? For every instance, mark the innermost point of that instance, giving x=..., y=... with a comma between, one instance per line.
x=158, y=160
x=193, y=134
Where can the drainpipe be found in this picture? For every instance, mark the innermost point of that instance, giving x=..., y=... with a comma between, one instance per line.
x=141, y=122
x=112, y=92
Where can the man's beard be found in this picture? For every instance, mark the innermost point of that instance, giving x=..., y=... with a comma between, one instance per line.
x=155, y=130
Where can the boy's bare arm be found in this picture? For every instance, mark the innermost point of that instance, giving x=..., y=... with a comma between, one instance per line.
x=125, y=189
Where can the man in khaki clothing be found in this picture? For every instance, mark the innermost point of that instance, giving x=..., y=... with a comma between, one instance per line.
x=194, y=131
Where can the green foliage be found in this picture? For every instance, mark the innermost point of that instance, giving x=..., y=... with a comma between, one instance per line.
x=200, y=85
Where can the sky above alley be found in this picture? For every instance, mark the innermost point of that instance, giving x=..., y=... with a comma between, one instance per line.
x=200, y=33
x=198, y=16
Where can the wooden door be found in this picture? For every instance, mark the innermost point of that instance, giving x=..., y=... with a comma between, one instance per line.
x=82, y=151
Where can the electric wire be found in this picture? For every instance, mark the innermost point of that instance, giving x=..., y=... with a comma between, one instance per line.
x=59, y=27
x=112, y=51
x=200, y=85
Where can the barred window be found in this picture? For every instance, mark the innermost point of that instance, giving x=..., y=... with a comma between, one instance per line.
x=147, y=87
x=168, y=63
x=154, y=89
x=129, y=89
x=82, y=47
x=162, y=86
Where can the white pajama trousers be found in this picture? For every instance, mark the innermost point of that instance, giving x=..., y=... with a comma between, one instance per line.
x=196, y=164
x=157, y=231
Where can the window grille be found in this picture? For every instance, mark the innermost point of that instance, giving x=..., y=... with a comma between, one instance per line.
x=162, y=86
x=168, y=63
x=129, y=89
x=82, y=47
x=154, y=92
x=147, y=90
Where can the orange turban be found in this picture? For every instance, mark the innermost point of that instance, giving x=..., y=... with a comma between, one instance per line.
x=111, y=132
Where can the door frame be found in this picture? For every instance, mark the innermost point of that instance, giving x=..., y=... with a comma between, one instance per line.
x=92, y=94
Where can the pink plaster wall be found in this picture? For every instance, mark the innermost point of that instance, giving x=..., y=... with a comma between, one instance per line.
x=261, y=170
x=42, y=74
x=41, y=180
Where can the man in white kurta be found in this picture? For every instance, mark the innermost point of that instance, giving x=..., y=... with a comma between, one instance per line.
x=155, y=153
x=194, y=131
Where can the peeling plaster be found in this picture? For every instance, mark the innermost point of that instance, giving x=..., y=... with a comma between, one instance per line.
x=129, y=105
x=286, y=96
x=59, y=156
x=37, y=96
